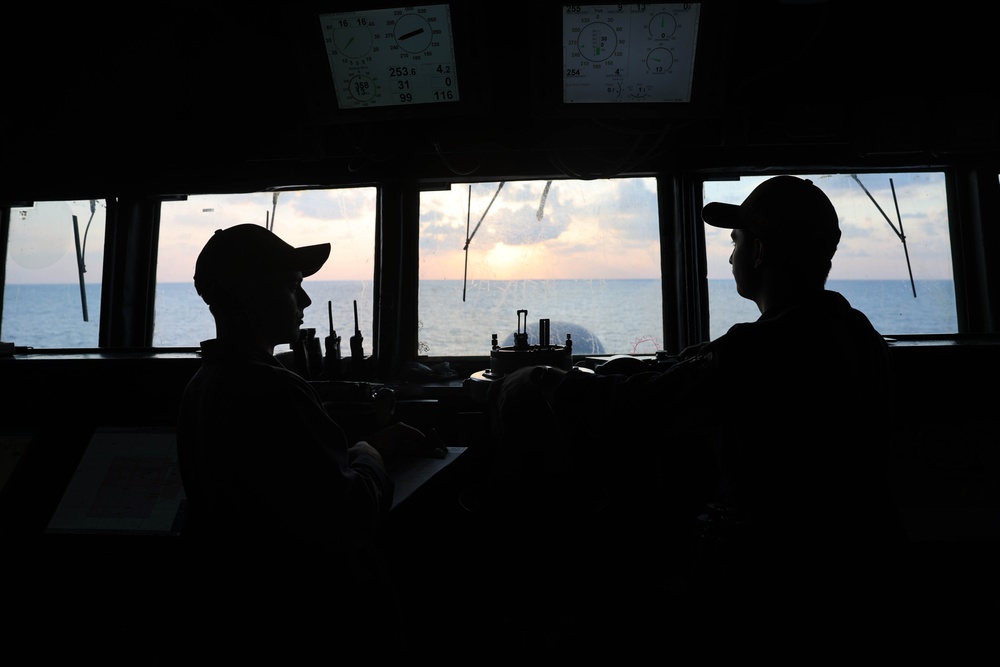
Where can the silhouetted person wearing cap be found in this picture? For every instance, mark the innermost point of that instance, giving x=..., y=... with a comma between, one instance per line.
x=284, y=508
x=773, y=436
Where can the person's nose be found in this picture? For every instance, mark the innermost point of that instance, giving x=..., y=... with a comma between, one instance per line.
x=304, y=299
x=731, y=257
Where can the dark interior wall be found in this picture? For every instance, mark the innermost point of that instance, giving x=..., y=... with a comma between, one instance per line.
x=946, y=463
x=58, y=402
x=185, y=98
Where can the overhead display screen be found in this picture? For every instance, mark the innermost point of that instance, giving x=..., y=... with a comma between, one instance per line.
x=629, y=52
x=390, y=57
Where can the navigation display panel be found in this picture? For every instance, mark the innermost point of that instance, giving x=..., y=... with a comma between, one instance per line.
x=391, y=57
x=640, y=53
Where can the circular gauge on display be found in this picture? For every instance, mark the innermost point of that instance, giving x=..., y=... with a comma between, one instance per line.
x=638, y=93
x=352, y=41
x=597, y=41
x=362, y=88
x=413, y=33
x=662, y=26
x=659, y=61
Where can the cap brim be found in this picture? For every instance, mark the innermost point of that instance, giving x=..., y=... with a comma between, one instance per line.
x=722, y=215
x=311, y=258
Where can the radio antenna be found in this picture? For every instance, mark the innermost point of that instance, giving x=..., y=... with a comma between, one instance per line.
x=357, y=348
x=331, y=358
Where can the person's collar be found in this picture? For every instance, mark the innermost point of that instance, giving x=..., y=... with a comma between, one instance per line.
x=793, y=301
x=221, y=349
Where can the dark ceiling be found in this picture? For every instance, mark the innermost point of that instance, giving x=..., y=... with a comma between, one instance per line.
x=154, y=96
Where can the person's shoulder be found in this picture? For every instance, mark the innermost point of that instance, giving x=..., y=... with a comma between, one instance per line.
x=814, y=316
x=246, y=368
x=744, y=336
x=776, y=336
x=839, y=304
x=831, y=300
x=249, y=375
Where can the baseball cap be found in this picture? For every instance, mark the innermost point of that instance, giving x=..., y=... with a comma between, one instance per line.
x=783, y=208
x=249, y=249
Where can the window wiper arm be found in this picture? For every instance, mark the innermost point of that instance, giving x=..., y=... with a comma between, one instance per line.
x=81, y=250
x=468, y=236
x=899, y=232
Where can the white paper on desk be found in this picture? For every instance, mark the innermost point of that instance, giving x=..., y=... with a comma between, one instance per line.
x=410, y=474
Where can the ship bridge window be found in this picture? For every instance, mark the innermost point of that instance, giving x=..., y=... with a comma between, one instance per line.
x=343, y=217
x=894, y=258
x=54, y=270
x=582, y=254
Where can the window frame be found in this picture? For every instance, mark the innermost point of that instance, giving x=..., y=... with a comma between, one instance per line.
x=132, y=232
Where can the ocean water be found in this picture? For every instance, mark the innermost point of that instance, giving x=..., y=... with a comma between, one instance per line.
x=609, y=316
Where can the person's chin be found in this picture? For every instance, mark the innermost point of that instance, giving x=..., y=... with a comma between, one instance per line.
x=294, y=334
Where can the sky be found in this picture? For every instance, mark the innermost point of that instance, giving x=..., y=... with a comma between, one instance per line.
x=536, y=230
x=598, y=229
